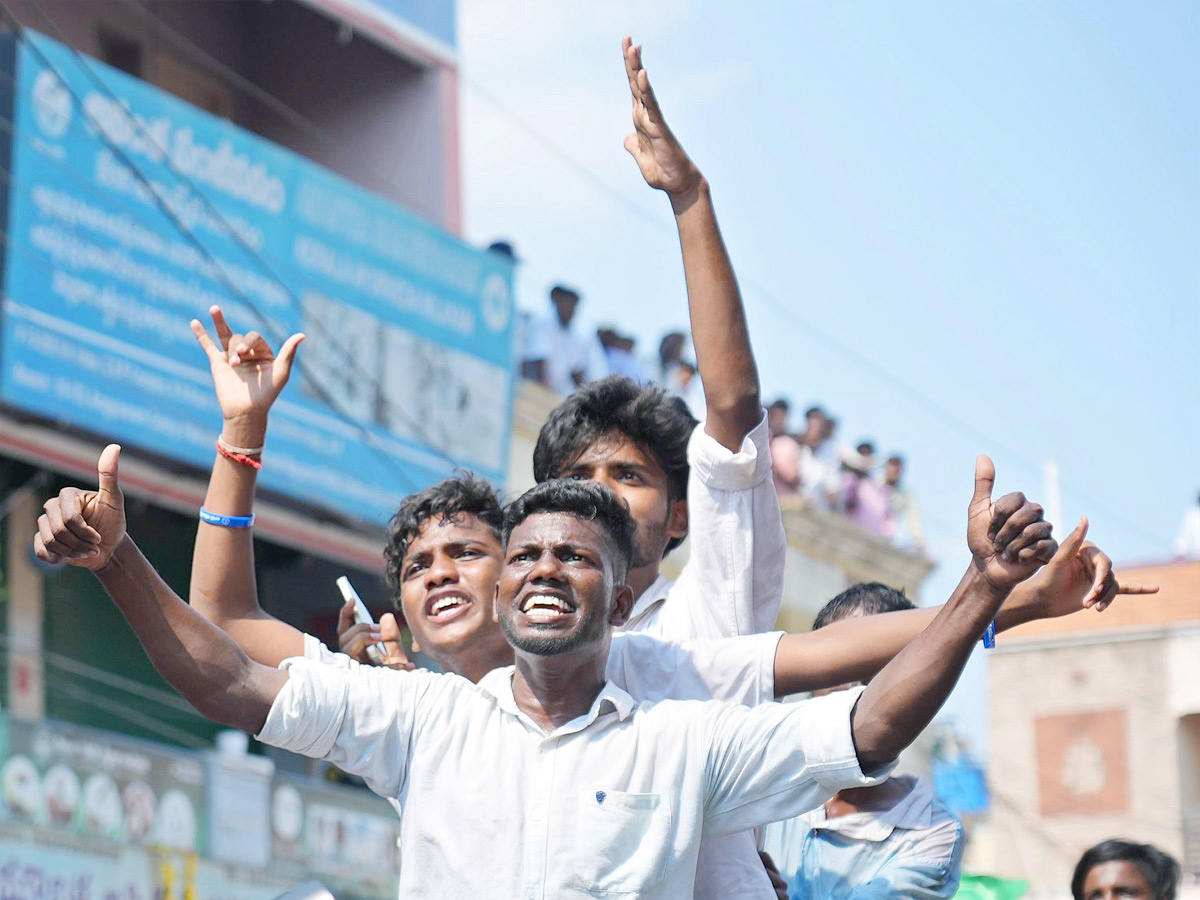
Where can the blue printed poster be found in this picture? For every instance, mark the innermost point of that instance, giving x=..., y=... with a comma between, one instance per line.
x=130, y=212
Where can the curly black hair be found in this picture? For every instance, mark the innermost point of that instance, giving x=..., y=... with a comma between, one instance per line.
x=584, y=499
x=460, y=494
x=649, y=416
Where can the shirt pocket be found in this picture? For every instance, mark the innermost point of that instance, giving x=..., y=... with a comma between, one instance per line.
x=622, y=841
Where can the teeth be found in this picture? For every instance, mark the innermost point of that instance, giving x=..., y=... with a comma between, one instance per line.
x=446, y=603
x=545, y=602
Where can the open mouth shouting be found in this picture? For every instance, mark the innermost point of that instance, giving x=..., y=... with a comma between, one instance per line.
x=442, y=607
x=542, y=606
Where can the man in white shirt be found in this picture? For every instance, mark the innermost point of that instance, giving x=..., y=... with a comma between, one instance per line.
x=557, y=353
x=870, y=843
x=596, y=792
x=712, y=482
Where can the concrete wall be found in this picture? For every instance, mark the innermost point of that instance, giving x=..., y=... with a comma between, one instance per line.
x=1086, y=747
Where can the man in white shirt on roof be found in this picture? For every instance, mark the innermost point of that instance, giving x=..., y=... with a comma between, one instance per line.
x=547, y=780
x=558, y=353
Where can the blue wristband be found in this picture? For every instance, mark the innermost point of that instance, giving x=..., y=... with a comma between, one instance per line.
x=989, y=635
x=226, y=521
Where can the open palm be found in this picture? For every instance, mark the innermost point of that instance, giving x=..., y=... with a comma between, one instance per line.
x=247, y=375
x=663, y=162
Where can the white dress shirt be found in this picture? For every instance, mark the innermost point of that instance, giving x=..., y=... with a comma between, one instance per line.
x=612, y=803
x=564, y=350
x=732, y=582
x=737, y=670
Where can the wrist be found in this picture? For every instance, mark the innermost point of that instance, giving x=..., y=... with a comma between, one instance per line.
x=1019, y=608
x=687, y=196
x=247, y=430
x=984, y=595
x=112, y=561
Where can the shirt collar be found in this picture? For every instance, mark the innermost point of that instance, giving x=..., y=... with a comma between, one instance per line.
x=913, y=810
x=651, y=596
x=498, y=683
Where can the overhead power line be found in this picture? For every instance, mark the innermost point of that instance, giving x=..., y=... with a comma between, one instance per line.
x=314, y=385
x=803, y=324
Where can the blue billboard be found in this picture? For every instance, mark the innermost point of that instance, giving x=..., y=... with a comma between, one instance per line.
x=130, y=212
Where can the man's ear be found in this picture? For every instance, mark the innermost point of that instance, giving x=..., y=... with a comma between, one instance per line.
x=622, y=605
x=677, y=519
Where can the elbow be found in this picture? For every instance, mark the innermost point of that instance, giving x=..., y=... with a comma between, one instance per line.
x=230, y=708
x=205, y=605
x=740, y=398
x=877, y=745
x=734, y=412
x=230, y=695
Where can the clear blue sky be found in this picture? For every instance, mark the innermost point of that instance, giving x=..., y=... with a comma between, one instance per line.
x=998, y=204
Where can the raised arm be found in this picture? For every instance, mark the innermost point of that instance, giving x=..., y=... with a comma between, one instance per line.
x=1009, y=541
x=247, y=377
x=87, y=529
x=1078, y=577
x=719, y=332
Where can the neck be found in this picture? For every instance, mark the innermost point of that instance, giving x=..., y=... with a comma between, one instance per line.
x=477, y=662
x=852, y=800
x=553, y=690
x=640, y=579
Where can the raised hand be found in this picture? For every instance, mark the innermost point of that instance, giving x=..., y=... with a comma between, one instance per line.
x=354, y=638
x=247, y=375
x=82, y=528
x=1079, y=576
x=663, y=162
x=1009, y=539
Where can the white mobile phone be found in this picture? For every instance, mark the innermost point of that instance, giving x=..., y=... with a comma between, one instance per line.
x=362, y=616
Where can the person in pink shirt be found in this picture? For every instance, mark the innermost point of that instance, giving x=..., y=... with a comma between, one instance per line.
x=865, y=500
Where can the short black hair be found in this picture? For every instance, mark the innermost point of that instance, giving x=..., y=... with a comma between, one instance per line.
x=560, y=289
x=503, y=248
x=866, y=448
x=781, y=403
x=585, y=499
x=460, y=494
x=867, y=597
x=814, y=411
x=896, y=458
x=649, y=416
x=1160, y=870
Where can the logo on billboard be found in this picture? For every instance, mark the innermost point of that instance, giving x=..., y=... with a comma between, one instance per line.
x=51, y=104
x=495, y=302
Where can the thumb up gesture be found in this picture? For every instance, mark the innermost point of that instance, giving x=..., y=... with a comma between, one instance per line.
x=82, y=528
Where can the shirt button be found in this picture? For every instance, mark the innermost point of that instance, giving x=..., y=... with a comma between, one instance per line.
x=530, y=894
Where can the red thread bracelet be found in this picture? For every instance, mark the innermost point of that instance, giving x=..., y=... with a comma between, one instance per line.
x=239, y=458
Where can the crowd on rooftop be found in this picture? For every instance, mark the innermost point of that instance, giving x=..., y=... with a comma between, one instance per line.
x=809, y=464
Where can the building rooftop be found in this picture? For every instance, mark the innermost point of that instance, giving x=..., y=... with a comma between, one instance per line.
x=1177, y=604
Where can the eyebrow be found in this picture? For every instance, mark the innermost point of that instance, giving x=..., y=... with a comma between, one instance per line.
x=556, y=546
x=453, y=545
x=617, y=464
